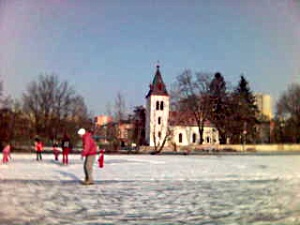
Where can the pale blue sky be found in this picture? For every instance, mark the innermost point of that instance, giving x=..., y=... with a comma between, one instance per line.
x=106, y=47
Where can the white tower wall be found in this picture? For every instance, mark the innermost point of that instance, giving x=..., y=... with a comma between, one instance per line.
x=157, y=117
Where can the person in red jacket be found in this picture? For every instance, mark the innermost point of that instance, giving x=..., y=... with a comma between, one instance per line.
x=6, y=153
x=89, y=152
x=38, y=145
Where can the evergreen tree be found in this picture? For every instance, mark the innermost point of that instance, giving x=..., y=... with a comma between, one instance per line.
x=220, y=110
x=245, y=112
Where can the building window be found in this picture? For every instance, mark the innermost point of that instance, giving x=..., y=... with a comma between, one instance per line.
x=157, y=105
x=161, y=105
x=180, y=138
x=159, y=120
x=159, y=134
x=207, y=140
x=194, y=137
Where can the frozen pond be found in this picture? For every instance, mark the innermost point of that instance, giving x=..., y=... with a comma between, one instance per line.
x=145, y=189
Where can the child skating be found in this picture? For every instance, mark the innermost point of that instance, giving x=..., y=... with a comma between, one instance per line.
x=6, y=153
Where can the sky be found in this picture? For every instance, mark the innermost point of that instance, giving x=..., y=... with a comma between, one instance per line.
x=103, y=48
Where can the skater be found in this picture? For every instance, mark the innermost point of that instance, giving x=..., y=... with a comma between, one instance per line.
x=89, y=152
x=38, y=145
x=66, y=148
x=6, y=153
x=55, y=150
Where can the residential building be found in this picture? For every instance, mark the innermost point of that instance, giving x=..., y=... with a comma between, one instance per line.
x=102, y=120
x=264, y=104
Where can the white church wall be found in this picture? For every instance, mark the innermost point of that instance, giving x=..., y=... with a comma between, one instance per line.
x=190, y=135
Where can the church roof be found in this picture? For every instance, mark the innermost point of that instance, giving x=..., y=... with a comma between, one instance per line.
x=158, y=86
x=186, y=118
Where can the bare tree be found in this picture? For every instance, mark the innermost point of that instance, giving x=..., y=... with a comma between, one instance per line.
x=1, y=92
x=288, y=112
x=5, y=101
x=139, y=121
x=120, y=107
x=108, y=109
x=193, y=96
x=6, y=116
x=51, y=105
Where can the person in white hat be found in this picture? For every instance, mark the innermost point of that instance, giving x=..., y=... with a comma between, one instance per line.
x=89, y=152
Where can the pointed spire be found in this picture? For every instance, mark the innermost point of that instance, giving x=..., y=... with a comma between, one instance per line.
x=158, y=86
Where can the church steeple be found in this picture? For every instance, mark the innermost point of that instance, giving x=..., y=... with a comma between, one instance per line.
x=158, y=86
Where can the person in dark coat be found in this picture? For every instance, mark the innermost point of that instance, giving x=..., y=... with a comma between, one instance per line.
x=66, y=146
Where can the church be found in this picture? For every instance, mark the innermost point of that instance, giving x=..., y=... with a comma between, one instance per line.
x=164, y=125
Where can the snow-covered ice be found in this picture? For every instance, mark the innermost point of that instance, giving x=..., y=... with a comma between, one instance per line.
x=152, y=189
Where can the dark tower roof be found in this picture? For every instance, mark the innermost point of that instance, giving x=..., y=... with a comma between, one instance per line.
x=158, y=86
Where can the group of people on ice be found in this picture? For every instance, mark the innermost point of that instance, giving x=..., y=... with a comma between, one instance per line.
x=65, y=148
x=89, y=152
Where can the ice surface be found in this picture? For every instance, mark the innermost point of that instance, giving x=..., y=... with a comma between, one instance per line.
x=152, y=189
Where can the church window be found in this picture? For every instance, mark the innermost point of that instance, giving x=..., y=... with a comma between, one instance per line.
x=159, y=134
x=157, y=105
x=194, y=137
x=159, y=120
x=161, y=105
x=180, y=138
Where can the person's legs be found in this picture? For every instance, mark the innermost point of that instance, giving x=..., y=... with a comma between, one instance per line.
x=88, y=169
x=5, y=158
x=85, y=169
x=90, y=163
x=56, y=155
x=67, y=158
x=64, y=156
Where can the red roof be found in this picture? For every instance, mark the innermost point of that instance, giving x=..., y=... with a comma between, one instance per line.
x=158, y=86
x=186, y=118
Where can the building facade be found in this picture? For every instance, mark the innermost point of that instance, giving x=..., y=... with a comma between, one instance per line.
x=102, y=120
x=264, y=104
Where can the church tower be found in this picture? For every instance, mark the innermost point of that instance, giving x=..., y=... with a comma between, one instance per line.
x=157, y=111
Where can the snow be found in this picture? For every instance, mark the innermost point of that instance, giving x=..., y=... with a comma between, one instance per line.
x=152, y=189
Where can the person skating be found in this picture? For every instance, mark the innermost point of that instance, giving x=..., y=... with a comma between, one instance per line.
x=89, y=152
x=6, y=153
x=38, y=145
x=55, y=150
x=66, y=148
